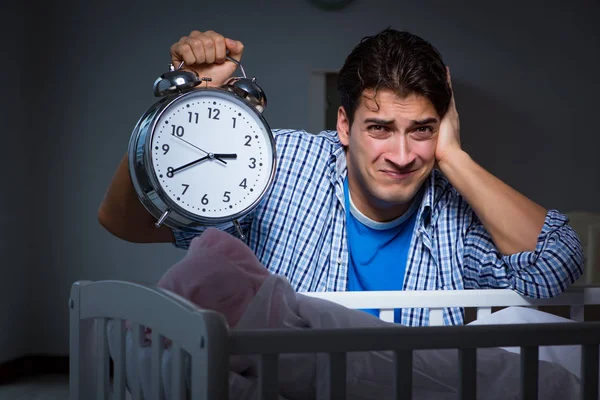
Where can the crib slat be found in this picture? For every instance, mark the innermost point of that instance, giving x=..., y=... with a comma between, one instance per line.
x=336, y=384
x=119, y=362
x=576, y=313
x=529, y=372
x=403, y=361
x=102, y=364
x=156, y=383
x=200, y=389
x=483, y=311
x=178, y=377
x=386, y=315
x=268, y=379
x=137, y=334
x=589, y=372
x=436, y=317
x=468, y=374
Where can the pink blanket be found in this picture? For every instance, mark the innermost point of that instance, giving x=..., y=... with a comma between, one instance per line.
x=219, y=272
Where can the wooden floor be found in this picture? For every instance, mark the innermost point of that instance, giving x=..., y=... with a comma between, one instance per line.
x=43, y=387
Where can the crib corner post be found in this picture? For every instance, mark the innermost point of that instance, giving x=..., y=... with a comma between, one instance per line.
x=80, y=352
x=211, y=359
x=577, y=313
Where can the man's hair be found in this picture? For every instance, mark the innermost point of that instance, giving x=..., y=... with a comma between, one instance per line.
x=397, y=61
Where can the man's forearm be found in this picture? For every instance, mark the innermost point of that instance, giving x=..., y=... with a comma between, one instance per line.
x=513, y=221
x=123, y=215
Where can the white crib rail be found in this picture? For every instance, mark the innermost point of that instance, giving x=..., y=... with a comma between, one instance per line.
x=208, y=341
x=92, y=303
x=337, y=343
x=437, y=300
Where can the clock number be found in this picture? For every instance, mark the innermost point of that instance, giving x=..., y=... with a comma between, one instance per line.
x=252, y=163
x=185, y=188
x=191, y=115
x=226, y=197
x=212, y=111
x=170, y=172
x=177, y=130
x=204, y=200
x=243, y=184
x=247, y=141
x=165, y=148
x=233, y=118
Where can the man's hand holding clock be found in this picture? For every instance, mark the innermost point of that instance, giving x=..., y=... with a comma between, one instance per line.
x=205, y=53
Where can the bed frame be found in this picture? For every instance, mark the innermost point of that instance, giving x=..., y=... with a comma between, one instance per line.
x=208, y=342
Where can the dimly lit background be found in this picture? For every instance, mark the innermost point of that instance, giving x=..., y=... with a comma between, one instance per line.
x=78, y=75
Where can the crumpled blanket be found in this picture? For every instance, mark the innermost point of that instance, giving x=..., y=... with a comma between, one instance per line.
x=221, y=273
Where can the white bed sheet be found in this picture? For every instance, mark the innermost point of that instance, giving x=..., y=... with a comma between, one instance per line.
x=567, y=356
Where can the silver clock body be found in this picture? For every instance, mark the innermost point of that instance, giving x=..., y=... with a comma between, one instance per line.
x=227, y=146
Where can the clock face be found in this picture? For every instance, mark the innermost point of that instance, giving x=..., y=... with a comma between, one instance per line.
x=211, y=154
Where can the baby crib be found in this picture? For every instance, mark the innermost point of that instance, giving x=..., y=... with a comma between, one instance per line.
x=208, y=342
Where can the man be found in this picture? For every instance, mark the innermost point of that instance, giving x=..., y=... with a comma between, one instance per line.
x=388, y=202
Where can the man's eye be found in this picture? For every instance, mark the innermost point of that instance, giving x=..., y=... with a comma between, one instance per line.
x=424, y=130
x=376, y=128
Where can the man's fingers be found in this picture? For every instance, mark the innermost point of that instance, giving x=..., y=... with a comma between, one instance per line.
x=217, y=42
x=205, y=48
x=449, y=80
x=193, y=52
x=182, y=52
x=448, y=77
x=212, y=45
x=209, y=50
x=199, y=50
x=235, y=47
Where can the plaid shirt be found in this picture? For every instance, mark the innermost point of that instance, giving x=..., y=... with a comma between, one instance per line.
x=299, y=231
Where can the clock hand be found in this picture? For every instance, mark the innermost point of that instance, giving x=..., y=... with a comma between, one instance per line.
x=193, y=145
x=207, y=156
x=188, y=165
x=218, y=156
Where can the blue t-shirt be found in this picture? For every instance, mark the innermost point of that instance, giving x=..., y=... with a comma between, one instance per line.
x=378, y=250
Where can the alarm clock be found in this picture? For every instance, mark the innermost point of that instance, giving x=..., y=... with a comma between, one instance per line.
x=202, y=156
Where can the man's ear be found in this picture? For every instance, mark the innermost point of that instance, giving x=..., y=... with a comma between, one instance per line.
x=343, y=126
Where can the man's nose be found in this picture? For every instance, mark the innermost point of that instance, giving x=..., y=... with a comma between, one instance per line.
x=400, y=152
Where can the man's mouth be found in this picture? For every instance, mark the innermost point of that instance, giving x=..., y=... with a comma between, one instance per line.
x=399, y=175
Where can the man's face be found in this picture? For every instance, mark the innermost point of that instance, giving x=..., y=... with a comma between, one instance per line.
x=390, y=151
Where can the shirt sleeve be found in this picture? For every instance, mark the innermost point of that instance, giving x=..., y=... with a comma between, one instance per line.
x=556, y=262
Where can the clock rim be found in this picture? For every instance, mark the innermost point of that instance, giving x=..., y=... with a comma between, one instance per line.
x=147, y=185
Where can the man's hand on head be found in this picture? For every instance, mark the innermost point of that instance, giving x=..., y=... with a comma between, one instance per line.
x=448, y=142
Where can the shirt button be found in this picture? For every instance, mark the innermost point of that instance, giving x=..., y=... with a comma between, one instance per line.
x=339, y=260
